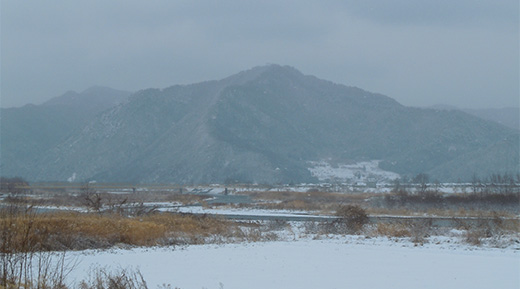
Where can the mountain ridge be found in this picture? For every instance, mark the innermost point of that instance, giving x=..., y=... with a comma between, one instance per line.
x=263, y=125
x=29, y=131
x=508, y=116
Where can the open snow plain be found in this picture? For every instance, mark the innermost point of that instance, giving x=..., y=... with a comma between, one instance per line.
x=277, y=251
x=344, y=262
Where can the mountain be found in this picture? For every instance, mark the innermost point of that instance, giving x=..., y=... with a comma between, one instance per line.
x=28, y=132
x=508, y=116
x=483, y=162
x=91, y=101
x=268, y=125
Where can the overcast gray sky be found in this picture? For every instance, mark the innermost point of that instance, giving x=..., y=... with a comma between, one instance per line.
x=463, y=53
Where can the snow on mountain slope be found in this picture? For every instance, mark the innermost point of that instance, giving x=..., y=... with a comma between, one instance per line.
x=357, y=172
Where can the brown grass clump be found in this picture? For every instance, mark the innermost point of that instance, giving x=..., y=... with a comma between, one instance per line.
x=27, y=241
x=121, y=279
x=192, y=228
x=51, y=232
x=350, y=220
x=396, y=230
x=26, y=232
x=186, y=199
x=436, y=212
x=306, y=201
x=70, y=230
x=300, y=205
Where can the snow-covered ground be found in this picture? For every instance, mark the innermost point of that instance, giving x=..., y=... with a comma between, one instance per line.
x=358, y=172
x=348, y=262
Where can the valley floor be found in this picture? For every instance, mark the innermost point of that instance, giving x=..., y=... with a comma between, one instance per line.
x=337, y=262
x=250, y=239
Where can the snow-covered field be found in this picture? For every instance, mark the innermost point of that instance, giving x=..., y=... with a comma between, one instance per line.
x=305, y=257
x=358, y=172
x=347, y=262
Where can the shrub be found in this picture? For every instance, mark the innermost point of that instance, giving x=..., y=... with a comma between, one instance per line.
x=30, y=232
x=493, y=227
x=351, y=217
x=22, y=263
x=121, y=279
x=397, y=230
x=475, y=236
x=420, y=230
x=14, y=186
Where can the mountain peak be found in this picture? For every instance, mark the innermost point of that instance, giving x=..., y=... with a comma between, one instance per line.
x=277, y=70
x=93, y=96
x=261, y=71
x=98, y=89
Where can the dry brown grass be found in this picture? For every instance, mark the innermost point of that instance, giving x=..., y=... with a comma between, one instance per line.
x=76, y=197
x=25, y=234
x=439, y=212
x=185, y=199
x=351, y=217
x=325, y=202
x=299, y=205
x=314, y=195
x=397, y=230
x=66, y=231
x=193, y=228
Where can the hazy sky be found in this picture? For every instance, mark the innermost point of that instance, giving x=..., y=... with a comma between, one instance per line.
x=463, y=53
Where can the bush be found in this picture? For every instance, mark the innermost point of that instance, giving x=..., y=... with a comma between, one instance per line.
x=122, y=279
x=22, y=263
x=420, y=230
x=351, y=217
x=397, y=230
x=16, y=185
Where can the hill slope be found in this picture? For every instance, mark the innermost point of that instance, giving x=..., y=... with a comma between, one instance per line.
x=265, y=125
x=507, y=116
x=27, y=132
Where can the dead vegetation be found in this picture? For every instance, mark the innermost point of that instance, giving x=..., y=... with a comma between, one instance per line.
x=30, y=242
x=351, y=219
x=483, y=201
x=120, y=279
x=30, y=239
x=312, y=200
x=27, y=232
x=130, y=217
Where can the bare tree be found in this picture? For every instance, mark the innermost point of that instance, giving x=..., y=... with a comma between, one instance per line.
x=421, y=180
x=14, y=186
x=91, y=198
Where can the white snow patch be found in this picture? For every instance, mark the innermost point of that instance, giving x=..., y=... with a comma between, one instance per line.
x=72, y=178
x=337, y=263
x=359, y=172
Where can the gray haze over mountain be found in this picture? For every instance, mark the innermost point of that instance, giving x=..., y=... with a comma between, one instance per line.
x=463, y=53
x=269, y=124
x=508, y=116
x=31, y=130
